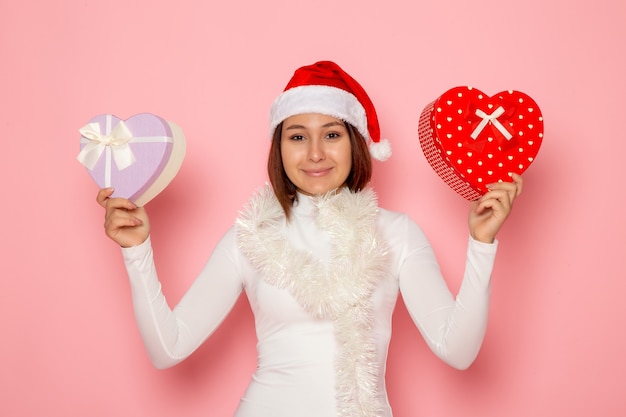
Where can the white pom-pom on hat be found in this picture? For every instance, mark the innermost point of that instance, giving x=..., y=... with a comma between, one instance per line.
x=327, y=89
x=380, y=150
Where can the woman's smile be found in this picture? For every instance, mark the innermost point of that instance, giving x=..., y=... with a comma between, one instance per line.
x=317, y=172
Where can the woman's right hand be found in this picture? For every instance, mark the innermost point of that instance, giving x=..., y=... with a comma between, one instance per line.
x=124, y=222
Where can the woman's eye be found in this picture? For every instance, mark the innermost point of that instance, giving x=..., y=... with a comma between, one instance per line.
x=296, y=137
x=333, y=135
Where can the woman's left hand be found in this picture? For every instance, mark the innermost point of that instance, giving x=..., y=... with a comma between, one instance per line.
x=488, y=213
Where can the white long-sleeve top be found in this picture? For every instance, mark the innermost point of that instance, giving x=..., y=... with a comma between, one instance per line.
x=297, y=371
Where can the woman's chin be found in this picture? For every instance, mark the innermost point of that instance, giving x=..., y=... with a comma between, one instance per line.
x=317, y=191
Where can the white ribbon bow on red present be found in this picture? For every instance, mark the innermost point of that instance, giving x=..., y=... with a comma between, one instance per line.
x=493, y=118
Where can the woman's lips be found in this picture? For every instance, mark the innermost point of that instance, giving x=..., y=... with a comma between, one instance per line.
x=318, y=172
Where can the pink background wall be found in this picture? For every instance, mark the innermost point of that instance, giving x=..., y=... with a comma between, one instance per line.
x=69, y=346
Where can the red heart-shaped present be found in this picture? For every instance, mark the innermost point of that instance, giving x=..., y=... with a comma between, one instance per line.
x=471, y=139
x=138, y=156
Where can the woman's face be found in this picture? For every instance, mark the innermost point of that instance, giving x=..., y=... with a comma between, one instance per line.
x=316, y=152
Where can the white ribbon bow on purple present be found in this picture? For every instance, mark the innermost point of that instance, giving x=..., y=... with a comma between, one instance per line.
x=116, y=142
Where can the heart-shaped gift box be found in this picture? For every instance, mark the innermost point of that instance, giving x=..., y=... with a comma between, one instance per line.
x=138, y=157
x=471, y=139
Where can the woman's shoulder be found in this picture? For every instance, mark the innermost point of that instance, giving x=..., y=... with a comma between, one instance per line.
x=400, y=228
x=390, y=218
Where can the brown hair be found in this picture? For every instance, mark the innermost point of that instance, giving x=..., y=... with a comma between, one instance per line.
x=285, y=190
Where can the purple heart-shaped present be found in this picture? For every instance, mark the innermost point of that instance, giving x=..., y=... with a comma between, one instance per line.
x=138, y=156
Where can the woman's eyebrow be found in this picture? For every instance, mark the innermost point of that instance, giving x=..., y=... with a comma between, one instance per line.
x=333, y=123
x=329, y=124
x=294, y=127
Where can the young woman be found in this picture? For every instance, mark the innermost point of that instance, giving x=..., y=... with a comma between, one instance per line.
x=321, y=264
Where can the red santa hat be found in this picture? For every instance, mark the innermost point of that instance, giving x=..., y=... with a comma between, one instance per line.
x=327, y=89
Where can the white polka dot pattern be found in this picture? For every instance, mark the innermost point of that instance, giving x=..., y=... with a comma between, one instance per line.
x=471, y=139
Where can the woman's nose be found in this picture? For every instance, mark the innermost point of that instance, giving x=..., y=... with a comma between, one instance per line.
x=316, y=150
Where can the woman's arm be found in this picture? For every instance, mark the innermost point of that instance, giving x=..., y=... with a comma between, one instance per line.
x=453, y=327
x=171, y=335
